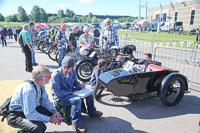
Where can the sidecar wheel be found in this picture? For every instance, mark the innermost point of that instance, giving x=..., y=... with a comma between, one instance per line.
x=173, y=91
x=98, y=89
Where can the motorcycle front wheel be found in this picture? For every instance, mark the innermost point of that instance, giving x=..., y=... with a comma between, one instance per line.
x=84, y=70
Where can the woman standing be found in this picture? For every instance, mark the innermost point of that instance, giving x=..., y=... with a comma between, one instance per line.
x=86, y=41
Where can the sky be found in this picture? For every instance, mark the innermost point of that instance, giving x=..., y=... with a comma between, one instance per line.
x=80, y=7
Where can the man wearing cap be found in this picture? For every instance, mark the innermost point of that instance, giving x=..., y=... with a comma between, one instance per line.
x=63, y=82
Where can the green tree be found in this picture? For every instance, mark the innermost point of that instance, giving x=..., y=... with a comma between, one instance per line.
x=11, y=18
x=90, y=15
x=22, y=16
x=61, y=14
x=67, y=12
x=72, y=14
x=1, y=17
x=94, y=20
x=43, y=15
x=35, y=14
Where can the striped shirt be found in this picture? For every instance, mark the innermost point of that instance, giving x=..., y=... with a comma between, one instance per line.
x=111, y=34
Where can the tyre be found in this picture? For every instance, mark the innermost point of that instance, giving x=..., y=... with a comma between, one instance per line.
x=45, y=48
x=98, y=89
x=40, y=44
x=53, y=51
x=84, y=70
x=173, y=90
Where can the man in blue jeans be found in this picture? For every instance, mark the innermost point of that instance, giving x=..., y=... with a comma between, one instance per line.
x=61, y=41
x=63, y=83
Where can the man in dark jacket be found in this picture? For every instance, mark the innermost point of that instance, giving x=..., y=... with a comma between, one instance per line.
x=3, y=37
x=96, y=35
x=74, y=37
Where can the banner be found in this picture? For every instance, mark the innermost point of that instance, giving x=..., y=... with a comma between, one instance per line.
x=167, y=44
x=181, y=43
x=174, y=44
x=188, y=44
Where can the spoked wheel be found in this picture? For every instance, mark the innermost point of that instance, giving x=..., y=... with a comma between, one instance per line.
x=98, y=89
x=173, y=91
x=84, y=70
x=41, y=43
x=53, y=51
x=45, y=47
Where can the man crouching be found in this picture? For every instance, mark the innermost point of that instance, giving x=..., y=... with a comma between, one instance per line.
x=30, y=106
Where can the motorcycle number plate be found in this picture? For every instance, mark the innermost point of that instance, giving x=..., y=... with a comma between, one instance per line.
x=92, y=54
x=128, y=66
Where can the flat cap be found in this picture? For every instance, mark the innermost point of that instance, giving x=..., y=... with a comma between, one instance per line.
x=68, y=62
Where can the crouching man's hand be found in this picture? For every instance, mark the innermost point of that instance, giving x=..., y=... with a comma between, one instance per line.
x=56, y=118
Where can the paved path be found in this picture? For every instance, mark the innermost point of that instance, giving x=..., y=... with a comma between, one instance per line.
x=120, y=116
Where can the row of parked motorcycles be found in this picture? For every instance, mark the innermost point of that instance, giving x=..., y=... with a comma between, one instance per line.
x=86, y=63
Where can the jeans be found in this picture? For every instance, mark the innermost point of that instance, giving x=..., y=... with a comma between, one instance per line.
x=61, y=55
x=73, y=50
x=33, y=55
x=76, y=103
x=10, y=36
x=19, y=120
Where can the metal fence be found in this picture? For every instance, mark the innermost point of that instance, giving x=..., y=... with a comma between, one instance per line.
x=186, y=61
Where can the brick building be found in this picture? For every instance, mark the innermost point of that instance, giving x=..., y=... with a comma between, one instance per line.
x=187, y=11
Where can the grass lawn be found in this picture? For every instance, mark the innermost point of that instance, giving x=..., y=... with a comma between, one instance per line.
x=162, y=37
x=11, y=23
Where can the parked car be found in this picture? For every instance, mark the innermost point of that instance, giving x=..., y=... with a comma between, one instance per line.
x=126, y=25
x=152, y=26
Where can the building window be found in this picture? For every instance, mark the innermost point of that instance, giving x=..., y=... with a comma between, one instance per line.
x=175, y=16
x=157, y=17
x=192, y=17
x=164, y=17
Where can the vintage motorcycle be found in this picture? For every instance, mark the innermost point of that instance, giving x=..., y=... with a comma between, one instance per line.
x=85, y=67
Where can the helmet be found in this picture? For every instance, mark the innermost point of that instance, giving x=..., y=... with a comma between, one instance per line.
x=83, y=51
x=129, y=49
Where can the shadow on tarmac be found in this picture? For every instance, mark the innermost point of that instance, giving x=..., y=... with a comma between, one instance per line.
x=108, y=125
x=52, y=66
x=153, y=108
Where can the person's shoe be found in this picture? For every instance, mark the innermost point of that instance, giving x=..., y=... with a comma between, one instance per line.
x=29, y=71
x=78, y=129
x=35, y=64
x=98, y=114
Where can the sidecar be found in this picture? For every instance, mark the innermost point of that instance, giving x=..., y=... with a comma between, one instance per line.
x=131, y=81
